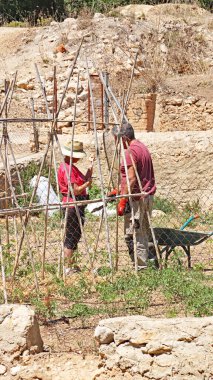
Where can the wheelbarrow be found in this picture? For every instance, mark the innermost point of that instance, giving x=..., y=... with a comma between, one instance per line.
x=170, y=238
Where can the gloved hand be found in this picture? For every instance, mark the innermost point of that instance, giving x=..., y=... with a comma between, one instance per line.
x=113, y=193
x=121, y=206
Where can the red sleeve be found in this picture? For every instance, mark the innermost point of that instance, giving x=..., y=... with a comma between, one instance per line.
x=74, y=175
x=130, y=158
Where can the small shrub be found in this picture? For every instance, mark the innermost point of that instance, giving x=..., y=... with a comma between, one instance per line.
x=84, y=19
x=94, y=192
x=164, y=205
x=193, y=207
x=43, y=308
x=80, y=310
x=17, y=24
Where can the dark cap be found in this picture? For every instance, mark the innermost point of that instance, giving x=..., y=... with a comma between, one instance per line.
x=126, y=130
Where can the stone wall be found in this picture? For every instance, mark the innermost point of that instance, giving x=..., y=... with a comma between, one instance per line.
x=138, y=347
x=141, y=111
x=183, y=113
x=173, y=112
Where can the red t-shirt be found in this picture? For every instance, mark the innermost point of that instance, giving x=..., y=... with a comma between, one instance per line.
x=143, y=163
x=76, y=177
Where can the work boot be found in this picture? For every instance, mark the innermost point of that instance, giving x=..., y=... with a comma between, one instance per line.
x=130, y=245
x=152, y=257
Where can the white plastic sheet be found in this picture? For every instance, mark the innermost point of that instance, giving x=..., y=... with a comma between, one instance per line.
x=42, y=192
x=92, y=206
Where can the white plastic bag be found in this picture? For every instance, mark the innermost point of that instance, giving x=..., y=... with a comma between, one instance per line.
x=42, y=192
x=92, y=206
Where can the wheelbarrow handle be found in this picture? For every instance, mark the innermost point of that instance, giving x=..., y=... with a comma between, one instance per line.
x=191, y=218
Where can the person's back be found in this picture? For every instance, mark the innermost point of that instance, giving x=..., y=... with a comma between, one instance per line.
x=137, y=177
x=140, y=154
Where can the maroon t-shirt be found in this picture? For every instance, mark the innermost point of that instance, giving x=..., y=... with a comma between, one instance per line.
x=143, y=162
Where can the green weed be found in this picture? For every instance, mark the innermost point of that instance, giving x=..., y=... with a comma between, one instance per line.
x=164, y=205
x=94, y=192
x=44, y=309
x=193, y=207
x=81, y=310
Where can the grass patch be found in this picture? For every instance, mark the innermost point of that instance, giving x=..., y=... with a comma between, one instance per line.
x=181, y=291
x=164, y=205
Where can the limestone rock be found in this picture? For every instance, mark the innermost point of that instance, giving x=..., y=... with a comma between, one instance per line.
x=158, y=214
x=19, y=331
x=14, y=370
x=25, y=85
x=3, y=369
x=156, y=348
x=103, y=335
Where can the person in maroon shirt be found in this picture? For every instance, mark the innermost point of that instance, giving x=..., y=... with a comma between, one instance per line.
x=80, y=183
x=141, y=177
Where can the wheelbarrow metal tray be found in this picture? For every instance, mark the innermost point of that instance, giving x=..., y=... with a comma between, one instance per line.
x=173, y=237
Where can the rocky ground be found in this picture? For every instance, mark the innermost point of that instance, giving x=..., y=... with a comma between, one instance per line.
x=175, y=59
x=175, y=55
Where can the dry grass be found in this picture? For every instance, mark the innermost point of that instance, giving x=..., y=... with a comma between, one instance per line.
x=84, y=19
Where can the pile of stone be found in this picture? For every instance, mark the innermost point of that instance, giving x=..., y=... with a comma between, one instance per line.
x=138, y=347
x=19, y=337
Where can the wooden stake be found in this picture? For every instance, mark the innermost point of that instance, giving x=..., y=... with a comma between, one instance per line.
x=3, y=274
x=8, y=175
x=28, y=211
x=100, y=172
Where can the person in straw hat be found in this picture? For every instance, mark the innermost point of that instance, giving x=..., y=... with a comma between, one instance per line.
x=80, y=184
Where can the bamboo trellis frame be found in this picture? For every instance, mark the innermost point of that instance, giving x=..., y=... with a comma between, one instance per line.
x=24, y=212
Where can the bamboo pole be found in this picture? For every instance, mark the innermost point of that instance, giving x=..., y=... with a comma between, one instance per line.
x=54, y=206
x=12, y=90
x=53, y=125
x=5, y=139
x=43, y=90
x=147, y=211
x=3, y=274
x=47, y=207
x=7, y=91
x=132, y=208
x=70, y=169
x=117, y=217
x=35, y=131
x=45, y=120
x=69, y=77
x=100, y=172
x=55, y=108
x=8, y=175
x=61, y=223
x=123, y=154
x=28, y=212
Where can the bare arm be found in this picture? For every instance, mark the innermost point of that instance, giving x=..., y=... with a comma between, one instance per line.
x=132, y=180
x=78, y=190
x=88, y=174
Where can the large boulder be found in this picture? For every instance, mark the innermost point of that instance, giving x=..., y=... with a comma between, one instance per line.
x=19, y=331
x=178, y=348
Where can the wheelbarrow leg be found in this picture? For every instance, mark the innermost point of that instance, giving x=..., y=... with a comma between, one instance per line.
x=169, y=249
x=187, y=251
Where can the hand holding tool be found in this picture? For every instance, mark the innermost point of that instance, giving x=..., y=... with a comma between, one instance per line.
x=122, y=206
x=113, y=193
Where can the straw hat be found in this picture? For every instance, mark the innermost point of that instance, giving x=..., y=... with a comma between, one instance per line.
x=77, y=152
